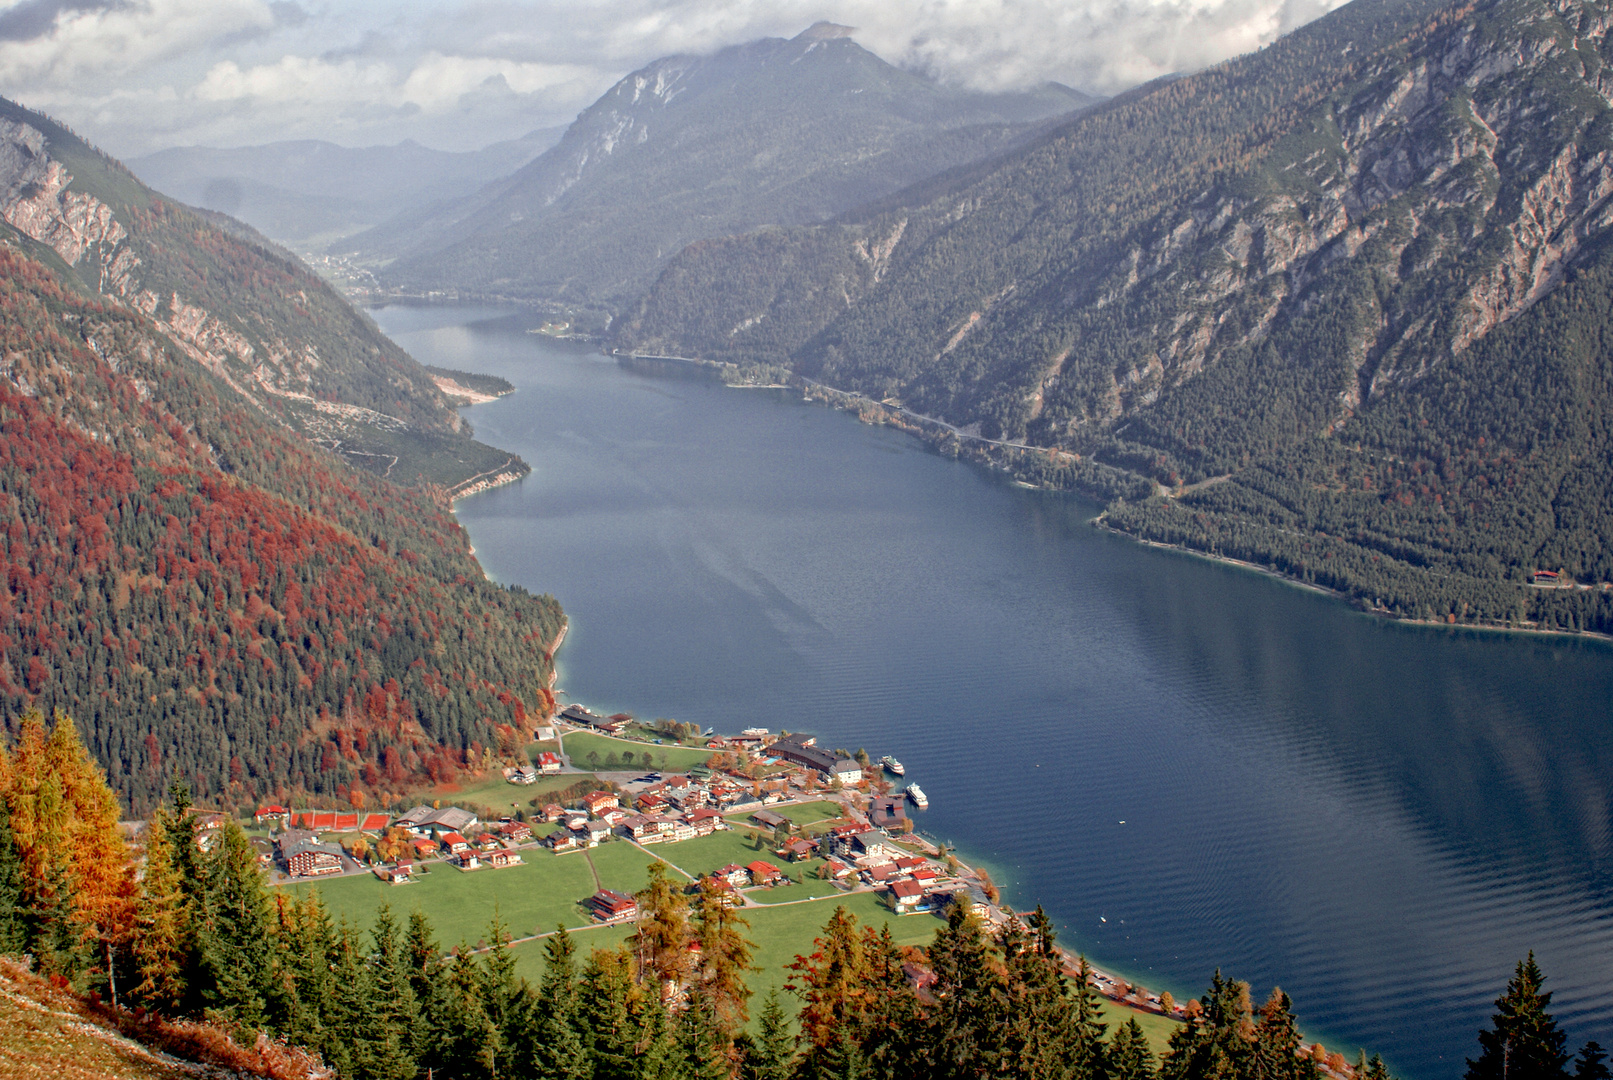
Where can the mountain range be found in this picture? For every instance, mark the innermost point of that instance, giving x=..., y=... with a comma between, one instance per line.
x=689, y=147
x=309, y=193
x=1335, y=307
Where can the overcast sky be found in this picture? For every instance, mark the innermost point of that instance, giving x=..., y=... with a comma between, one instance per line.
x=140, y=75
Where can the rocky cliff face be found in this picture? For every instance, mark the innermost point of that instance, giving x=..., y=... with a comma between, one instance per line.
x=253, y=317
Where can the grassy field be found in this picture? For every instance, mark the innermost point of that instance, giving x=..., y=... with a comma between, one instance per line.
x=667, y=758
x=495, y=793
x=704, y=854
x=531, y=898
x=810, y=888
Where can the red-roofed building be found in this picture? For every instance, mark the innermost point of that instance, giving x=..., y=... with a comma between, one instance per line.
x=735, y=875
x=906, y=895
x=454, y=843
x=548, y=762
x=595, y=801
x=765, y=873
x=425, y=849
x=553, y=812
x=705, y=822
x=518, y=832
x=609, y=906
x=272, y=813
x=500, y=859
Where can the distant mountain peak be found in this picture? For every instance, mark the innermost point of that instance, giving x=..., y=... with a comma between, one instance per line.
x=823, y=30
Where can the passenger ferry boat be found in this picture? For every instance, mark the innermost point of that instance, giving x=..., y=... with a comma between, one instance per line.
x=893, y=765
x=916, y=793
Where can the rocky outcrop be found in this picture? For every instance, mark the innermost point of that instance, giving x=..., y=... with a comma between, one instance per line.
x=35, y=200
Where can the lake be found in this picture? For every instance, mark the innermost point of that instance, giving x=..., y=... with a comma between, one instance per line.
x=1188, y=764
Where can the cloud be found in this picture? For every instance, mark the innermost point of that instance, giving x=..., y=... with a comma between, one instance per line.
x=140, y=74
x=35, y=18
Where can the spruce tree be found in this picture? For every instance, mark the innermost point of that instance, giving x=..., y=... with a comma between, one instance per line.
x=1523, y=1042
x=557, y=1048
x=725, y=959
x=1215, y=1042
x=1277, y=1042
x=608, y=1003
x=13, y=927
x=161, y=918
x=1589, y=1065
x=390, y=1026
x=770, y=1054
x=237, y=950
x=1129, y=1056
x=968, y=1016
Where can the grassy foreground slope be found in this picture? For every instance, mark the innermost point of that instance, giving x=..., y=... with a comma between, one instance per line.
x=1336, y=307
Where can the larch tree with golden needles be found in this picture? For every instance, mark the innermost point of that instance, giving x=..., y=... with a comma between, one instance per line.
x=78, y=886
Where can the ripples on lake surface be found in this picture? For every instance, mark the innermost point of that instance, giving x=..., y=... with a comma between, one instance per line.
x=1381, y=819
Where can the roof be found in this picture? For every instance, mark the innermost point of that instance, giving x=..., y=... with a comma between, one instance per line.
x=906, y=890
x=452, y=838
x=549, y=758
x=760, y=867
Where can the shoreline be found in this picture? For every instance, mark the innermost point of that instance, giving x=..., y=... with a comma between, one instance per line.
x=1344, y=598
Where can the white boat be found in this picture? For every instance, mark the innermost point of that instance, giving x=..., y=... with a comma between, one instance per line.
x=916, y=793
x=893, y=765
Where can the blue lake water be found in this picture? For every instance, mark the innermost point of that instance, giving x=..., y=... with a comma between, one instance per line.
x=1189, y=765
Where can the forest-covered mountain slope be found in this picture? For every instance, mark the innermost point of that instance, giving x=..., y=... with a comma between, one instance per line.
x=309, y=192
x=215, y=599
x=774, y=131
x=256, y=318
x=1341, y=302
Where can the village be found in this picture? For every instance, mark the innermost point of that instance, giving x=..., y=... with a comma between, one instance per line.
x=828, y=820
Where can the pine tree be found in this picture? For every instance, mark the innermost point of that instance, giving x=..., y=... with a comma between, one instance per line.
x=608, y=1003
x=161, y=917
x=661, y=943
x=392, y=1017
x=236, y=946
x=1524, y=1043
x=1216, y=1042
x=13, y=927
x=770, y=1054
x=831, y=983
x=1277, y=1042
x=557, y=1048
x=969, y=992
x=1129, y=1056
x=1086, y=1028
x=1589, y=1065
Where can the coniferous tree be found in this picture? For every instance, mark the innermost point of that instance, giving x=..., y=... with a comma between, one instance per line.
x=1277, y=1042
x=1086, y=1027
x=392, y=1015
x=969, y=992
x=770, y=1054
x=552, y=1045
x=236, y=947
x=725, y=959
x=13, y=927
x=1129, y=1056
x=661, y=942
x=161, y=917
x=1590, y=1063
x=1216, y=1042
x=1524, y=1042
x=609, y=1003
